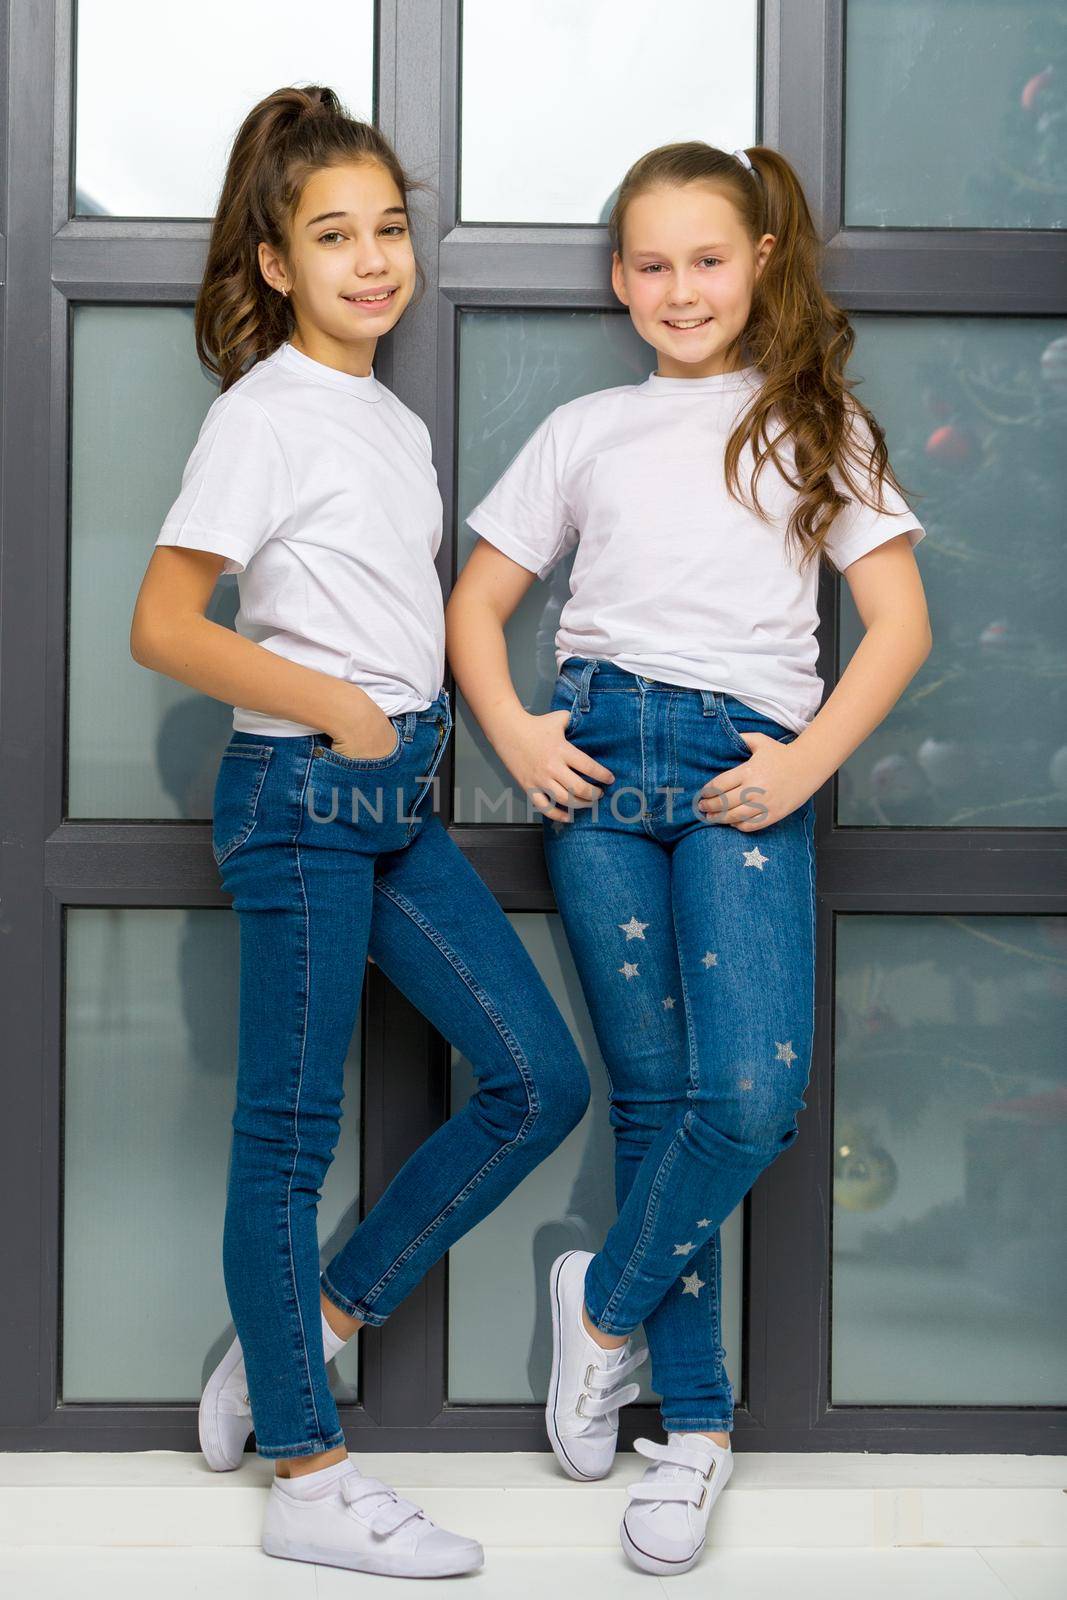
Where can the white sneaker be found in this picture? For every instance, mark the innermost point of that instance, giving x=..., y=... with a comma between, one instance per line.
x=664, y=1526
x=582, y=1414
x=224, y=1420
x=361, y=1523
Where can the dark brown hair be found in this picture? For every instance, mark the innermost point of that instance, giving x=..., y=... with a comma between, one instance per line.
x=795, y=335
x=289, y=135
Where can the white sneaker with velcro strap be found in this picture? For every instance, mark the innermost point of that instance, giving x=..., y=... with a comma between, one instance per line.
x=584, y=1389
x=362, y=1524
x=224, y=1417
x=664, y=1526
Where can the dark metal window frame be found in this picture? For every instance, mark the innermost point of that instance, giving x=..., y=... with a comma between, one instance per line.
x=51, y=261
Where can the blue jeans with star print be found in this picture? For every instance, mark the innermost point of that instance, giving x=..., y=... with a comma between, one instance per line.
x=695, y=946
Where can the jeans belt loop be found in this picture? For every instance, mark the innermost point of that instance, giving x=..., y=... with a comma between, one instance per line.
x=408, y=732
x=589, y=668
x=710, y=702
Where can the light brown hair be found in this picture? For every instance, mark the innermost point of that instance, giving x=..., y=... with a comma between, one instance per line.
x=797, y=337
x=290, y=134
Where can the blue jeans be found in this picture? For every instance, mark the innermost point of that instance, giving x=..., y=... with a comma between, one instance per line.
x=695, y=947
x=327, y=856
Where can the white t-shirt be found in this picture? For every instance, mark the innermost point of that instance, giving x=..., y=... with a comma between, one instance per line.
x=673, y=578
x=319, y=489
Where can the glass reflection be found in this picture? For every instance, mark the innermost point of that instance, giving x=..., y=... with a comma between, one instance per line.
x=551, y=141
x=150, y=1079
x=974, y=410
x=158, y=105
x=950, y=1161
x=139, y=744
x=976, y=98
x=498, y=1273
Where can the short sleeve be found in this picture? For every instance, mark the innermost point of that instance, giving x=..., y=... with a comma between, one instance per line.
x=426, y=439
x=857, y=529
x=236, y=490
x=525, y=513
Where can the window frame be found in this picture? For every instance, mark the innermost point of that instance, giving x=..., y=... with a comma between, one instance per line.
x=52, y=261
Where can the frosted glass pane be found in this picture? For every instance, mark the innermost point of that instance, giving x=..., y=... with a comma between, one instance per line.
x=975, y=410
x=514, y=368
x=162, y=90
x=498, y=1273
x=954, y=114
x=560, y=99
x=950, y=1168
x=139, y=744
x=149, y=1093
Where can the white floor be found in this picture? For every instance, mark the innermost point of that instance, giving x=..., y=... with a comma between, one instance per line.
x=518, y=1574
x=828, y=1527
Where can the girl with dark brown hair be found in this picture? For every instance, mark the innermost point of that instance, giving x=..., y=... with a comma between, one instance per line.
x=314, y=483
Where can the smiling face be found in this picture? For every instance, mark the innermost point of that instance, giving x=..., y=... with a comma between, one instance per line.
x=349, y=240
x=687, y=259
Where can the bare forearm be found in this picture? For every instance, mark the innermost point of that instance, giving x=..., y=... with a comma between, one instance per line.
x=886, y=660
x=478, y=655
x=225, y=665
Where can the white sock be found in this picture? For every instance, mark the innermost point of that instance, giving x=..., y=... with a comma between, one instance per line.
x=331, y=1342
x=313, y=1485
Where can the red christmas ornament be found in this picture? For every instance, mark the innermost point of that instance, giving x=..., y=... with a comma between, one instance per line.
x=1033, y=89
x=948, y=445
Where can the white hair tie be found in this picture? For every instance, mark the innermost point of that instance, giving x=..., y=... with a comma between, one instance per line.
x=742, y=156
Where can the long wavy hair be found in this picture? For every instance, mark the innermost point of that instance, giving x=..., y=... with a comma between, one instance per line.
x=290, y=134
x=795, y=335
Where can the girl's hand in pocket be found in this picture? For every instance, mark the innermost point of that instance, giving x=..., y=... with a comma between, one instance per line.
x=363, y=732
x=555, y=774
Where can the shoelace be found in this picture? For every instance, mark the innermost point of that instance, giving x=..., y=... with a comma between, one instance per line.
x=388, y=1517
x=600, y=1397
x=674, y=1477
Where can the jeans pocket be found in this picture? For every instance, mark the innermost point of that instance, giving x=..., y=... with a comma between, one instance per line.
x=735, y=718
x=242, y=770
x=323, y=752
x=565, y=697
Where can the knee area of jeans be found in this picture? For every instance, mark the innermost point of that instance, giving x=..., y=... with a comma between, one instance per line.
x=760, y=1135
x=640, y=1121
x=567, y=1098
x=561, y=1105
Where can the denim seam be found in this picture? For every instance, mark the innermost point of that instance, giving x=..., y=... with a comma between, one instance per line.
x=672, y=757
x=646, y=823
x=443, y=730
x=704, y=1423
x=512, y=1046
x=647, y=1228
x=713, y=1305
x=244, y=834
x=306, y=1447
x=694, y=1074
x=730, y=730
x=300, y=1081
x=574, y=713
x=352, y=1308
